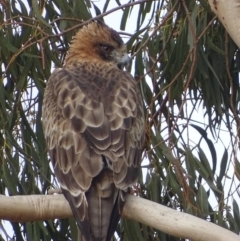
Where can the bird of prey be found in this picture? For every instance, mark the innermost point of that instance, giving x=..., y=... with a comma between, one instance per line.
x=93, y=122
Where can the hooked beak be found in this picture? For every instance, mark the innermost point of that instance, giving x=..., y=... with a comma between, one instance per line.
x=124, y=61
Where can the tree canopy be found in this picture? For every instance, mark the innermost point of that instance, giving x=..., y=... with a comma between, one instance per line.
x=188, y=69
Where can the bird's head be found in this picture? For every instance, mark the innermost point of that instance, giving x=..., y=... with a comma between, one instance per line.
x=97, y=41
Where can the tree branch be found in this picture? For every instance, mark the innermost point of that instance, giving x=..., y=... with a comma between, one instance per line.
x=170, y=221
x=228, y=13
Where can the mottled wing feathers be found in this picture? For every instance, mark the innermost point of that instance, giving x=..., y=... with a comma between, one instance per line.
x=93, y=119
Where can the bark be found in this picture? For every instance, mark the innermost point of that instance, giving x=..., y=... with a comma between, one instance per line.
x=228, y=12
x=40, y=207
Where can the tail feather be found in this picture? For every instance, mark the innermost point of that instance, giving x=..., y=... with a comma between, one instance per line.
x=115, y=215
x=78, y=213
x=104, y=207
x=104, y=203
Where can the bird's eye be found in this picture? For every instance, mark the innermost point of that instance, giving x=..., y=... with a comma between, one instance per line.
x=107, y=48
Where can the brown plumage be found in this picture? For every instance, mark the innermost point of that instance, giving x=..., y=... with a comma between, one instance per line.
x=93, y=123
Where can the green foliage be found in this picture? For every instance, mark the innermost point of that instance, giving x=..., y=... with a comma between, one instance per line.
x=185, y=63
